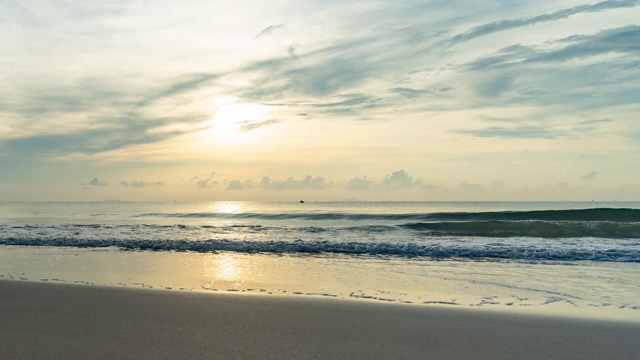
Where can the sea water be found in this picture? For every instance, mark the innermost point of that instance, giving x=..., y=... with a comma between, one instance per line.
x=574, y=257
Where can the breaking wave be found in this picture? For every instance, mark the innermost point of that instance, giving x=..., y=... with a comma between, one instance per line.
x=435, y=251
x=544, y=229
x=365, y=240
x=597, y=214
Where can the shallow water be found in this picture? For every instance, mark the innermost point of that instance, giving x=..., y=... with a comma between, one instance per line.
x=591, y=289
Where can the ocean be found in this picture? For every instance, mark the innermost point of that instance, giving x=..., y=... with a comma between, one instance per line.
x=583, y=255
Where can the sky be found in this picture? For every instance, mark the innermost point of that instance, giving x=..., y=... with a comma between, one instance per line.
x=319, y=100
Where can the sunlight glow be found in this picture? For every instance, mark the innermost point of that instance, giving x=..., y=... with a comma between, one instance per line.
x=234, y=121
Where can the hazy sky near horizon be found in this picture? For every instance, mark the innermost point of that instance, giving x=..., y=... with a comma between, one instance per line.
x=319, y=100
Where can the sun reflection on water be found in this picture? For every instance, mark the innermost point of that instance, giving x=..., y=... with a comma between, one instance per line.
x=226, y=268
x=228, y=207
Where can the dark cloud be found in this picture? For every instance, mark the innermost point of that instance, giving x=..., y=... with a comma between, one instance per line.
x=503, y=25
x=522, y=132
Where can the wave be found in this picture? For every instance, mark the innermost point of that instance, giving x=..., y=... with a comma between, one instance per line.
x=542, y=229
x=595, y=214
x=433, y=251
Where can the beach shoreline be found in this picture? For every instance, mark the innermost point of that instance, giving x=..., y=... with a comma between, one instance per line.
x=553, y=289
x=79, y=321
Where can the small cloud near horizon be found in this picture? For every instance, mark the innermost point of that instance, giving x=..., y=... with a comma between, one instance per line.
x=309, y=182
x=98, y=183
x=204, y=182
x=142, y=184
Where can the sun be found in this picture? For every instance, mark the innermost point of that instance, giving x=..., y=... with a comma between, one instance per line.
x=233, y=120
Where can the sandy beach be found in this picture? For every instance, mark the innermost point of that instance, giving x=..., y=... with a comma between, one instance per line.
x=43, y=320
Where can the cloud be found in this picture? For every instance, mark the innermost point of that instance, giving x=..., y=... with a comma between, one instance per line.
x=239, y=185
x=204, y=182
x=494, y=86
x=398, y=180
x=594, y=122
x=116, y=133
x=471, y=186
x=621, y=40
x=176, y=87
x=122, y=80
x=503, y=25
x=498, y=184
x=410, y=93
x=268, y=30
x=588, y=126
x=359, y=184
x=521, y=132
x=342, y=102
x=98, y=183
x=292, y=52
x=319, y=73
x=550, y=75
x=249, y=125
x=142, y=184
x=590, y=176
x=91, y=116
x=424, y=186
x=309, y=182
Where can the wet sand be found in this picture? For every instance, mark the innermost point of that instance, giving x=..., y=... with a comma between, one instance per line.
x=57, y=321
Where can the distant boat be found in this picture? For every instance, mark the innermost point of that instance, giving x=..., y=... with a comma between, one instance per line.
x=301, y=201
